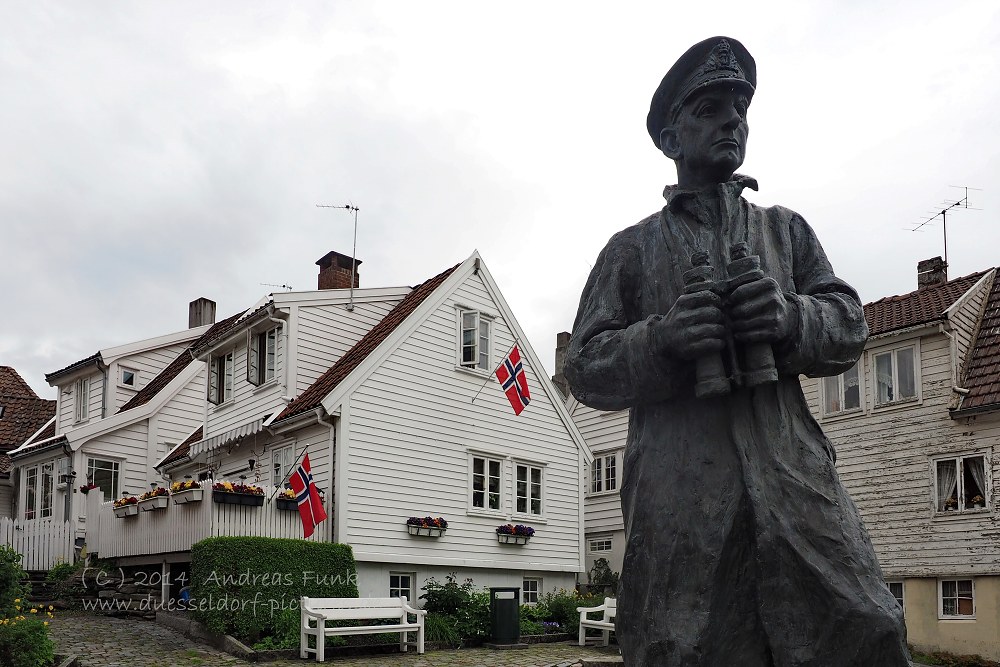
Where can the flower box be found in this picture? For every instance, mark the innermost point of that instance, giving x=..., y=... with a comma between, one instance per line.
x=154, y=503
x=230, y=498
x=425, y=531
x=287, y=504
x=506, y=538
x=188, y=496
x=126, y=510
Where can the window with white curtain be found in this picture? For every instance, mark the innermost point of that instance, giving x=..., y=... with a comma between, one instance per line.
x=895, y=375
x=960, y=484
x=842, y=393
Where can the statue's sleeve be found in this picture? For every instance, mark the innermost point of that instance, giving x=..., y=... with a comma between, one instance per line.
x=831, y=330
x=611, y=363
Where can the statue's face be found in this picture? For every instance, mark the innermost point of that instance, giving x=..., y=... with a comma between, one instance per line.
x=711, y=133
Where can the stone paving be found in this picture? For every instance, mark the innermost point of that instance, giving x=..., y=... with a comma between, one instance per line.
x=102, y=641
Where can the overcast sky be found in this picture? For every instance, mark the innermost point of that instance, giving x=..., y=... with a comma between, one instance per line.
x=159, y=152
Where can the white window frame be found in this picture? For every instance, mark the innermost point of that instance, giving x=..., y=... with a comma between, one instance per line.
x=528, y=467
x=221, y=367
x=396, y=591
x=115, y=470
x=280, y=456
x=530, y=597
x=81, y=403
x=902, y=591
x=604, y=472
x=122, y=370
x=45, y=480
x=483, y=361
x=858, y=368
x=487, y=460
x=959, y=460
x=262, y=356
x=894, y=351
x=594, y=542
x=940, y=597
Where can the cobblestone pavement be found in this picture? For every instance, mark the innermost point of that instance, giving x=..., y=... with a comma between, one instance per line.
x=111, y=642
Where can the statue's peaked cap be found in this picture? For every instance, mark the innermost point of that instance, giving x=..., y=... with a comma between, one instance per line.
x=716, y=60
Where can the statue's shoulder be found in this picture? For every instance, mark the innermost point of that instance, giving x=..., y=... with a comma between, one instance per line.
x=637, y=233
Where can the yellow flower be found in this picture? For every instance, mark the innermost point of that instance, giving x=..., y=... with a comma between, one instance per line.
x=34, y=611
x=51, y=607
x=45, y=622
x=17, y=600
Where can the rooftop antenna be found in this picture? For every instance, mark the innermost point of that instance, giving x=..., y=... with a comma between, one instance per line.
x=285, y=287
x=354, y=251
x=943, y=214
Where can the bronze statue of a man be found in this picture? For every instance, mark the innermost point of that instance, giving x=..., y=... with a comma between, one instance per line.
x=744, y=549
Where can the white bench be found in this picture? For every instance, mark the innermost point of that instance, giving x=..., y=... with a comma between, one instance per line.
x=606, y=624
x=315, y=612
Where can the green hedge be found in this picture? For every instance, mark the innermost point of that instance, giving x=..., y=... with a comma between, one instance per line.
x=249, y=587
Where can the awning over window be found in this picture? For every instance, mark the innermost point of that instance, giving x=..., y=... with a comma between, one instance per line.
x=216, y=441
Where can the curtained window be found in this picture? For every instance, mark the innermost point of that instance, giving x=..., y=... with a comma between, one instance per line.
x=895, y=376
x=960, y=484
x=842, y=393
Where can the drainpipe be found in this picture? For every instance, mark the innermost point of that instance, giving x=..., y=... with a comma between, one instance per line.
x=330, y=424
x=104, y=388
x=284, y=366
x=70, y=485
x=952, y=347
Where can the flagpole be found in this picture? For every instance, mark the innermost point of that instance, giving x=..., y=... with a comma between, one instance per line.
x=287, y=474
x=516, y=341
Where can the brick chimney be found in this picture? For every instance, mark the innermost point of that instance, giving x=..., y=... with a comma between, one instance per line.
x=201, y=312
x=559, y=379
x=335, y=271
x=931, y=272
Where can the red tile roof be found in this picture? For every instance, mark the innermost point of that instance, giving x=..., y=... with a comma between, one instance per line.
x=225, y=327
x=314, y=395
x=174, y=368
x=982, y=371
x=182, y=449
x=21, y=418
x=920, y=307
x=12, y=384
x=92, y=360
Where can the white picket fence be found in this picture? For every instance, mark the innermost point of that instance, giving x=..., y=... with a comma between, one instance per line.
x=41, y=542
x=177, y=527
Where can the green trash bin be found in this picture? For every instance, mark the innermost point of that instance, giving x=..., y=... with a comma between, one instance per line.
x=505, y=615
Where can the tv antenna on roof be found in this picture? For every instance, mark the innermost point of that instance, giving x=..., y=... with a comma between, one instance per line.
x=285, y=287
x=948, y=205
x=354, y=252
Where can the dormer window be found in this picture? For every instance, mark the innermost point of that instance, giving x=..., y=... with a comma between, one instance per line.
x=262, y=356
x=220, y=378
x=81, y=391
x=128, y=377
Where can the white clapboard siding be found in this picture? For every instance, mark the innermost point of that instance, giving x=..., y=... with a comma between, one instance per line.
x=177, y=527
x=413, y=422
x=605, y=433
x=41, y=542
x=884, y=458
x=148, y=363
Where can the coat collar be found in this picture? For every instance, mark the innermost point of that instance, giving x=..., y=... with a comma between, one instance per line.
x=734, y=187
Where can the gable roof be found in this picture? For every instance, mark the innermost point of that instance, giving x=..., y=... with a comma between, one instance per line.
x=21, y=418
x=181, y=451
x=982, y=373
x=92, y=360
x=12, y=384
x=313, y=397
x=174, y=368
x=918, y=307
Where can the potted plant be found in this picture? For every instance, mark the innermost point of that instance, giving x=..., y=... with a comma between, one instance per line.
x=188, y=491
x=237, y=494
x=286, y=501
x=426, y=526
x=154, y=499
x=978, y=501
x=87, y=488
x=511, y=534
x=126, y=506
x=950, y=504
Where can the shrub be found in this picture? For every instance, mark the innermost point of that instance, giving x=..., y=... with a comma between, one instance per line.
x=446, y=598
x=13, y=580
x=530, y=627
x=61, y=571
x=601, y=575
x=473, y=619
x=24, y=642
x=441, y=628
x=562, y=606
x=249, y=587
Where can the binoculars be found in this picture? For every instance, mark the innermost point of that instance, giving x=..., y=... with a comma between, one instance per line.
x=758, y=366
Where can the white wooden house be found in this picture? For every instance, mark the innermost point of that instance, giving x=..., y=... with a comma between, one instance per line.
x=116, y=414
x=916, y=427
x=393, y=397
x=22, y=415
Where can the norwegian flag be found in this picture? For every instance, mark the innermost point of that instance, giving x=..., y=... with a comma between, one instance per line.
x=307, y=495
x=510, y=374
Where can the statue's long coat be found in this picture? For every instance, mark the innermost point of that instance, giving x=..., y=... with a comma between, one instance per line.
x=743, y=548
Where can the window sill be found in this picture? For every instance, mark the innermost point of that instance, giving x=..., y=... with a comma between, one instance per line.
x=476, y=372
x=954, y=514
x=492, y=514
x=528, y=518
x=896, y=405
x=954, y=619
x=845, y=414
x=600, y=494
x=270, y=384
x=222, y=407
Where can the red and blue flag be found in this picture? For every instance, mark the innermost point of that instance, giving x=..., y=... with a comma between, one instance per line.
x=307, y=496
x=510, y=374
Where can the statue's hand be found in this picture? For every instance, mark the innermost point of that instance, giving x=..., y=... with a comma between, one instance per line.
x=693, y=328
x=759, y=312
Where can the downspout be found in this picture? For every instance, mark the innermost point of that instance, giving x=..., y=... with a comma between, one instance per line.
x=284, y=366
x=330, y=424
x=70, y=485
x=952, y=348
x=104, y=388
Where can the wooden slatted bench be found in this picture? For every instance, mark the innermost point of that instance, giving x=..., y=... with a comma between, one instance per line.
x=606, y=624
x=315, y=612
